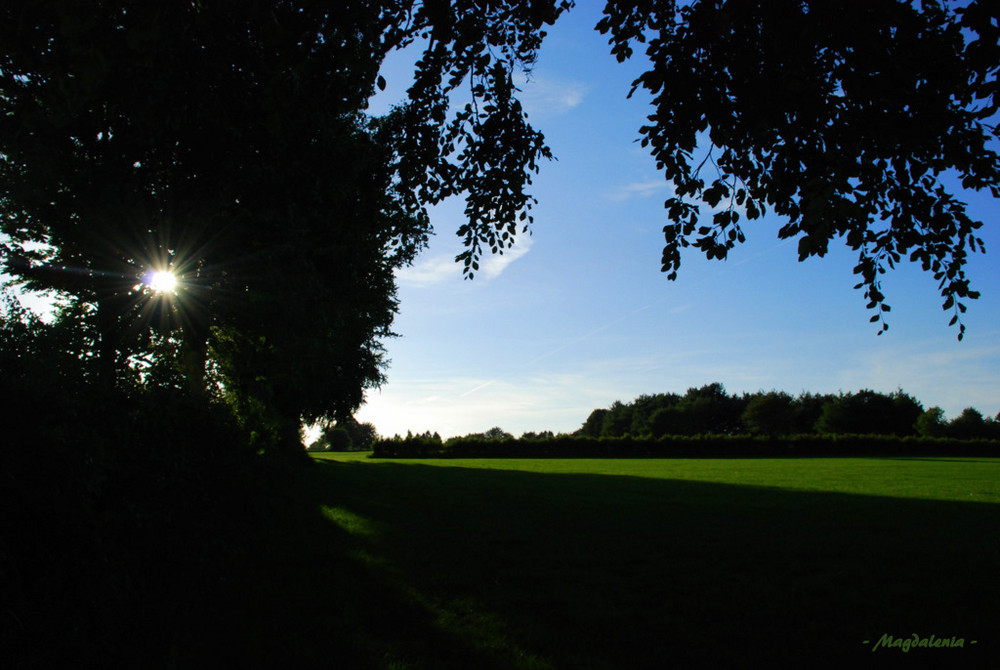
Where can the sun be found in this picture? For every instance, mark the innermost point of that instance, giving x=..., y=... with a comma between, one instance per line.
x=161, y=281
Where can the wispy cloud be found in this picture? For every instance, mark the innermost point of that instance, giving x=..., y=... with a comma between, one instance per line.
x=494, y=265
x=546, y=97
x=639, y=189
x=430, y=272
x=443, y=268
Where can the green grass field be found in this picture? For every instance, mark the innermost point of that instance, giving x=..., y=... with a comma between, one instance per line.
x=624, y=564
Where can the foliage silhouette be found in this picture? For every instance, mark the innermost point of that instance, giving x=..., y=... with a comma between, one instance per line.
x=709, y=410
x=137, y=136
x=769, y=414
x=228, y=142
x=840, y=119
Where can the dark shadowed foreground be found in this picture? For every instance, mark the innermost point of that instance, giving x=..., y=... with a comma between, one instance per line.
x=383, y=565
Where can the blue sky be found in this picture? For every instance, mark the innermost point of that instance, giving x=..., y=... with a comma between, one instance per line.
x=579, y=315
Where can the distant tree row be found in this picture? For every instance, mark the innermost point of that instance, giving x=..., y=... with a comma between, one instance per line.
x=709, y=410
x=707, y=421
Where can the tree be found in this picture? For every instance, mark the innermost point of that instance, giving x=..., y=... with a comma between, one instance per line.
x=709, y=410
x=643, y=409
x=869, y=412
x=769, y=414
x=618, y=420
x=932, y=423
x=840, y=118
x=666, y=421
x=968, y=425
x=496, y=433
x=227, y=141
x=906, y=411
x=808, y=407
x=338, y=439
x=362, y=435
x=594, y=423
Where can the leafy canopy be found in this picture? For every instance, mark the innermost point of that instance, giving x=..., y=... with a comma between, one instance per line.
x=841, y=118
x=229, y=141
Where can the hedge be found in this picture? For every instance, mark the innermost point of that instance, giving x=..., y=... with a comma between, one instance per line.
x=700, y=446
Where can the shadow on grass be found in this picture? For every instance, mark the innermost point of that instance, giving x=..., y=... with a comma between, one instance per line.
x=387, y=565
x=594, y=571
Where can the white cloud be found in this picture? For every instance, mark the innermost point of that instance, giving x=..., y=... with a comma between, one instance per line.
x=494, y=265
x=546, y=97
x=429, y=272
x=443, y=268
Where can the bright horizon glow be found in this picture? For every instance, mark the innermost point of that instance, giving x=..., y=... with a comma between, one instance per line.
x=162, y=281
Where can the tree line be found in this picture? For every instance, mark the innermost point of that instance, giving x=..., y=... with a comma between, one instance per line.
x=708, y=421
x=710, y=410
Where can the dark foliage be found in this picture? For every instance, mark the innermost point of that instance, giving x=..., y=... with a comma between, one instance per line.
x=707, y=422
x=700, y=446
x=841, y=118
x=228, y=142
x=870, y=412
x=709, y=410
x=120, y=511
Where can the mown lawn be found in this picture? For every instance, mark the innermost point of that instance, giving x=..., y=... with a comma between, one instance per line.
x=358, y=563
x=656, y=563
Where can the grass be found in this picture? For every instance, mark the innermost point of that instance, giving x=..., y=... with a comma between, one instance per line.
x=668, y=563
x=532, y=564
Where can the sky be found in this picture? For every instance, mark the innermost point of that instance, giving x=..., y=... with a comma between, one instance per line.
x=578, y=315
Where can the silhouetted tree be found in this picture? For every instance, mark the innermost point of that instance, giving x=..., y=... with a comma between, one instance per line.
x=618, y=420
x=227, y=141
x=868, y=412
x=840, y=117
x=970, y=424
x=496, y=433
x=769, y=413
x=666, y=421
x=808, y=407
x=363, y=435
x=338, y=439
x=906, y=410
x=594, y=424
x=643, y=409
x=709, y=410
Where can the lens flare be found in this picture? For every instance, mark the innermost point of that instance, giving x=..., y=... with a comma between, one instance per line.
x=161, y=282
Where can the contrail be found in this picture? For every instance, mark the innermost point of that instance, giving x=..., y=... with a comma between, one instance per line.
x=593, y=332
x=481, y=386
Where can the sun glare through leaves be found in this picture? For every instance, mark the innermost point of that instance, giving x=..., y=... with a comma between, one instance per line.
x=161, y=281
